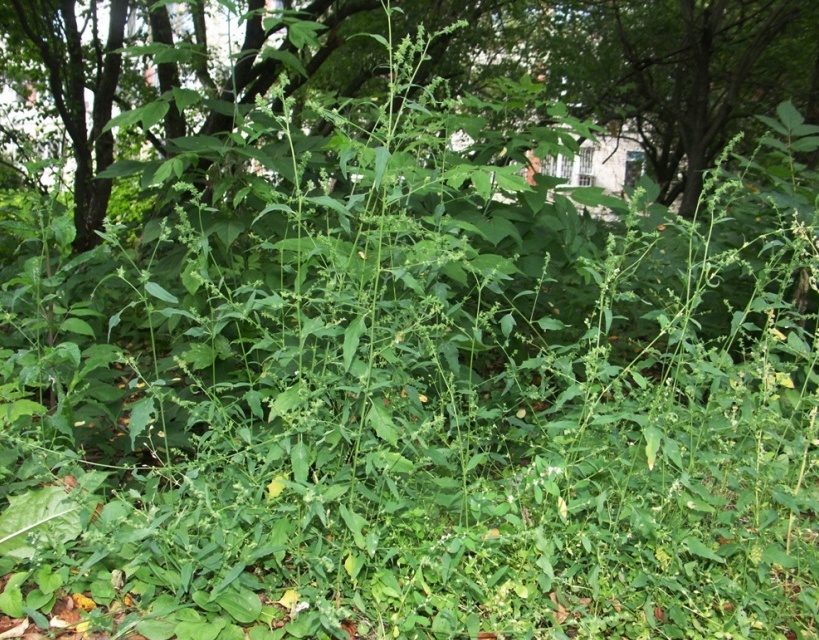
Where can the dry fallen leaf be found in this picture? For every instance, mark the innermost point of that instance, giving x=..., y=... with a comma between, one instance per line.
x=350, y=627
x=561, y=613
x=17, y=631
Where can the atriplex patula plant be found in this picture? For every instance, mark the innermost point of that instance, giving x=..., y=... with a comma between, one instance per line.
x=358, y=389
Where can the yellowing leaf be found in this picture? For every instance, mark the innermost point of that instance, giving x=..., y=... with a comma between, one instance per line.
x=290, y=599
x=83, y=602
x=777, y=334
x=784, y=380
x=521, y=590
x=562, y=507
x=276, y=486
x=353, y=565
x=83, y=626
x=653, y=438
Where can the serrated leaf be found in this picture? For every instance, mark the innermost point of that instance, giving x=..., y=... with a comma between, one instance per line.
x=185, y=97
x=199, y=356
x=142, y=416
x=789, y=115
x=227, y=231
x=159, y=292
x=286, y=402
x=353, y=565
x=153, y=112
x=303, y=32
x=48, y=512
x=123, y=169
x=380, y=420
x=23, y=407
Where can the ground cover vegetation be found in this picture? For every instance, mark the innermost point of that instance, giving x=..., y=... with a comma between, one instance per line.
x=368, y=385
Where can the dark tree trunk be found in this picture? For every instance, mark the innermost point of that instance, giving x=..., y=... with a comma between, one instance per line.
x=106, y=85
x=168, y=73
x=92, y=195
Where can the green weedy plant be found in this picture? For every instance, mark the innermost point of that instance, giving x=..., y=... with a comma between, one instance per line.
x=362, y=389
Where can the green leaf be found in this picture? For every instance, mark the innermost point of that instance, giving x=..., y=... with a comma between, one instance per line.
x=595, y=197
x=697, y=548
x=156, y=629
x=300, y=461
x=48, y=580
x=124, y=119
x=157, y=291
x=48, y=512
x=123, y=169
x=355, y=523
x=789, y=115
x=286, y=401
x=550, y=324
x=303, y=32
x=287, y=58
x=185, y=97
x=352, y=336
x=142, y=416
x=200, y=356
x=231, y=577
x=242, y=605
x=22, y=407
x=153, y=112
x=482, y=181
x=382, y=157
x=75, y=325
x=775, y=554
x=507, y=323
x=227, y=231
x=653, y=438
x=199, y=630
x=11, y=602
x=381, y=421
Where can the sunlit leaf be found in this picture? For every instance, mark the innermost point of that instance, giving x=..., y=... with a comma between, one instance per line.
x=47, y=512
x=653, y=438
x=290, y=599
x=276, y=486
x=300, y=460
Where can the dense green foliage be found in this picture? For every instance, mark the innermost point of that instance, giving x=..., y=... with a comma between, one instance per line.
x=378, y=386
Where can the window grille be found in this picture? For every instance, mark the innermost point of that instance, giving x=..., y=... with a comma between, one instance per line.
x=585, y=176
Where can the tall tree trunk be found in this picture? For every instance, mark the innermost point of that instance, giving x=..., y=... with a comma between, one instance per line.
x=162, y=32
x=104, y=91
